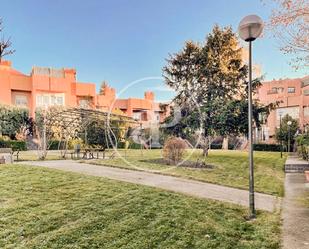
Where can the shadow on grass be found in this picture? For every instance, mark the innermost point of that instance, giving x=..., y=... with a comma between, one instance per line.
x=186, y=164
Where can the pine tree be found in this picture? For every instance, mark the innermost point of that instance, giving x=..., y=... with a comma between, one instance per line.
x=210, y=80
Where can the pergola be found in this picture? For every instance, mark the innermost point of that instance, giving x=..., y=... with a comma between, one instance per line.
x=71, y=121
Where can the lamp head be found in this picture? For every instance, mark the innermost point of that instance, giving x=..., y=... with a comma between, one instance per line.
x=250, y=28
x=289, y=123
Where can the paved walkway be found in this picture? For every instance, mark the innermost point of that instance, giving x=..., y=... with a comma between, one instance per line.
x=190, y=187
x=295, y=215
x=294, y=164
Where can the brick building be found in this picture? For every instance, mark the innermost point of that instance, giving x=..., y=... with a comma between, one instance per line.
x=293, y=95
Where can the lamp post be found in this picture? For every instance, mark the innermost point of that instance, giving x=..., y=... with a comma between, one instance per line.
x=289, y=135
x=280, y=116
x=250, y=28
x=141, y=130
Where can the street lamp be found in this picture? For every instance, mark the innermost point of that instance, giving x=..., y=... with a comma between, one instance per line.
x=250, y=28
x=289, y=131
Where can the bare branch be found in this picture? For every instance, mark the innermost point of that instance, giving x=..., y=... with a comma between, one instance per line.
x=5, y=44
x=289, y=24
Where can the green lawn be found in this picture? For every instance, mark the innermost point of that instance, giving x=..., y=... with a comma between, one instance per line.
x=231, y=168
x=44, y=208
x=32, y=155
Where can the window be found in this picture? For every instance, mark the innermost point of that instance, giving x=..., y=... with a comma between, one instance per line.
x=39, y=100
x=53, y=100
x=291, y=89
x=21, y=100
x=60, y=100
x=274, y=90
x=83, y=103
x=46, y=100
x=137, y=115
x=50, y=99
x=306, y=92
x=157, y=116
x=293, y=111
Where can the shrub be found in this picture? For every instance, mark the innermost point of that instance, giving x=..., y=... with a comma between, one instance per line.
x=54, y=145
x=215, y=146
x=302, y=145
x=174, y=149
x=12, y=119
x=266, y=147
x=73, y=142
x=60, y=145
x=128, y=145
x=15, y=145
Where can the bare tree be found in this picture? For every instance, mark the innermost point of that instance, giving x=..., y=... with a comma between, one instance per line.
x=289, y=23
x=5, y=44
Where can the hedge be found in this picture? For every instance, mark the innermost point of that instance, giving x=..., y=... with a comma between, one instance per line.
x=132, y=145
x=219, y=146
x=266, y=147
x=216, y=146
x=54, y=144
x=14, y=144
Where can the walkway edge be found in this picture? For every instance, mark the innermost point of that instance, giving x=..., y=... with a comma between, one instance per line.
x=176, y=184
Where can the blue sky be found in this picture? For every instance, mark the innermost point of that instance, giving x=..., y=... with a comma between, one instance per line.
x=123, y=41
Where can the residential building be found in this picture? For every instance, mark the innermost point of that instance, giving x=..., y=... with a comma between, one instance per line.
x=49, y=87
x=293, y=97
x=143, y=109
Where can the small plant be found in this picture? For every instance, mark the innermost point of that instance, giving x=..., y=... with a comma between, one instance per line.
x=174, y=149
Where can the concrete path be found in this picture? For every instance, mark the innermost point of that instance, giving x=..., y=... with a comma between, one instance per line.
x=294, y=213
x=295, y=164
x=176, y=184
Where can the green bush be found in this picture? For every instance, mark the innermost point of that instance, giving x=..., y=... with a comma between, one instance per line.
x=303, y=145
x=216, y=146
x=131, y=145
x=219, y=146
x=60, y=145
x=12, y=119
x=266, y=147
x=54, y=145
x=14, y=144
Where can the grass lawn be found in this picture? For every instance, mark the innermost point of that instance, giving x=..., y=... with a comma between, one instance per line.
x=32, y=155
x=231, y=168
x=44, y=208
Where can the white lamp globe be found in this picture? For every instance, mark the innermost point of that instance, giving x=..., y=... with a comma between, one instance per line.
x=289, y=123
x=250, y=28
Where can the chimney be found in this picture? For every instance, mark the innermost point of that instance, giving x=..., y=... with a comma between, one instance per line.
x=149, y=95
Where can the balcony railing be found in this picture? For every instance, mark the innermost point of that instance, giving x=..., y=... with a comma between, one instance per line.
x=50, y=72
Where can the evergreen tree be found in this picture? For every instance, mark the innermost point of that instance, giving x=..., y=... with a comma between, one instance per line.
x=210, y=80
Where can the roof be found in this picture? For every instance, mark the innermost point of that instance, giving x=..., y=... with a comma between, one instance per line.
x=14, y=71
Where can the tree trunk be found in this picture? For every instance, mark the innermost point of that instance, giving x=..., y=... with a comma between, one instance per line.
x=225, y=143
x=205, y=151
x=205, y=146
